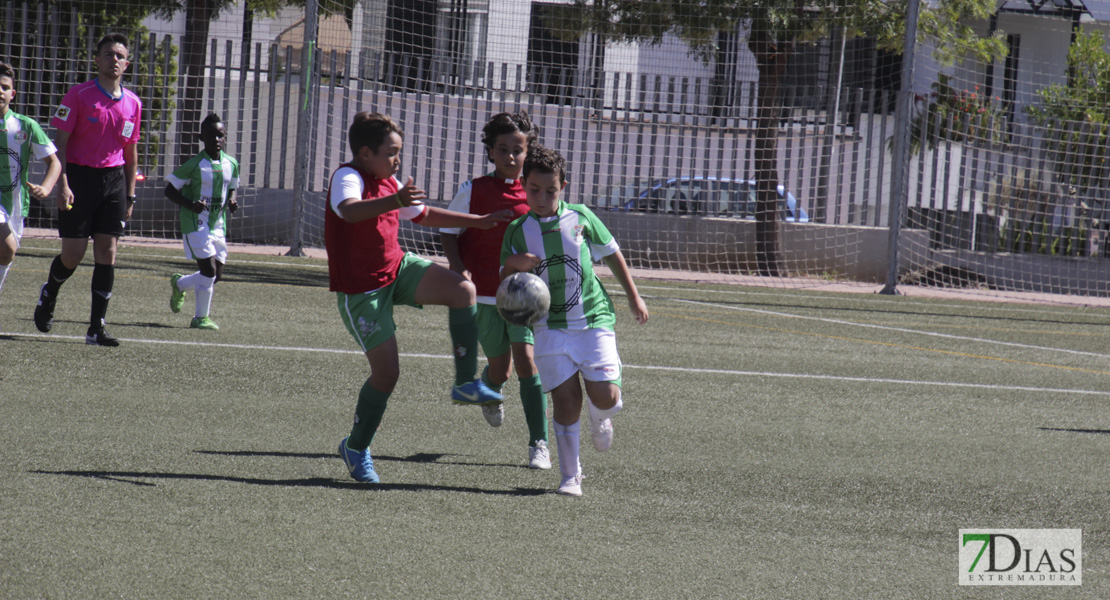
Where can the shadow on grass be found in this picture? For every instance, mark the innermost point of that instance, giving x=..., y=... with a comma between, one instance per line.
x=1101, y=431
x=420, y=457
x=317, y=482
x=307, y=276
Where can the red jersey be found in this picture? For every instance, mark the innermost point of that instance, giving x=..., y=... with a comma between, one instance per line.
x=364, y=256
x=480, y=249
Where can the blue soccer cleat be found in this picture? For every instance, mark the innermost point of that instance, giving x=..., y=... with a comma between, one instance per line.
x=359, y=464
x=475, y=393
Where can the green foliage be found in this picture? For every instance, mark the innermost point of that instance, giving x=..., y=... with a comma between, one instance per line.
x=154, y=78
x=947, y=23
x=1076, y=116
x=962, y=116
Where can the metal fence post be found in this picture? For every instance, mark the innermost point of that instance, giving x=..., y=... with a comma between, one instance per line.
x=304, y=129
x=901, y=156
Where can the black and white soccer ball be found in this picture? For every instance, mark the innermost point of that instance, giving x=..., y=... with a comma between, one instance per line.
x=523, y=299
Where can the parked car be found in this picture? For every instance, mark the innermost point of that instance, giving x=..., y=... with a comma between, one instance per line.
x=696, y=195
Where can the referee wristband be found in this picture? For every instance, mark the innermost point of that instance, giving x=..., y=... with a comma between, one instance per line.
x=132, y=199
x=399, y=203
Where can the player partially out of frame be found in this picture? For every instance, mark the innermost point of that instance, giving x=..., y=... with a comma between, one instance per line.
x=204, y=187
x=370, y=274
x=21, y=139
x=557, y=241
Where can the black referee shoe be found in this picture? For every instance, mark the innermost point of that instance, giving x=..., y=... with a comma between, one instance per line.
x=99, y=337
x=44, y=311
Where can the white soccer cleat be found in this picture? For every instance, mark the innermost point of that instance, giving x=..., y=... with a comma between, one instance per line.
x=539, y=457
x=571, y=486
x=602, y=433
x=494, y=414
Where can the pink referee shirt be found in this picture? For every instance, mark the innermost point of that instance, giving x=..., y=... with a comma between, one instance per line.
x=99, y=125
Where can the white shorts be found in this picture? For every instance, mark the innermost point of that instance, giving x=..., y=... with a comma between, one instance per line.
x=202, y=244
x=560, y=353
x=16, y=225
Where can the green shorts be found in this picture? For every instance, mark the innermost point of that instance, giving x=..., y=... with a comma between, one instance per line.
x=369, y=317
x=495, y=334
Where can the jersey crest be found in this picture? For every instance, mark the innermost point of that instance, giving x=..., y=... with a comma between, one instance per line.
x=573, y=295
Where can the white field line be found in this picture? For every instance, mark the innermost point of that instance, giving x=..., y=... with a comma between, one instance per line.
x=950, y=336
x=870, y=299
x=690, y=370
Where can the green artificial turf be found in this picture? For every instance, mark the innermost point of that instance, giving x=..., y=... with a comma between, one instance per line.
x=774, y=444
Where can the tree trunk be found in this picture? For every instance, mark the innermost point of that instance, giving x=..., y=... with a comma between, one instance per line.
x=198, y=16
x=771, y=62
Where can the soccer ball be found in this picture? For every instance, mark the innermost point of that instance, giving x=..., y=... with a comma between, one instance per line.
x=523, y=299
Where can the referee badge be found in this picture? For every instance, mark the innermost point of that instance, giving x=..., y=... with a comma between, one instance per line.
x=62, y=114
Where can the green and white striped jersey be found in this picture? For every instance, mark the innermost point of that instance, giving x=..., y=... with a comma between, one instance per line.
x=566, y=243
x=21, y=138
x=206, y=180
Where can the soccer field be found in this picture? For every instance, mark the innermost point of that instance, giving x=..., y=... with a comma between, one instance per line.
x=774, y=444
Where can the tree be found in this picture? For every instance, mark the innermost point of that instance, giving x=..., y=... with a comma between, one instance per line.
x=774, y=27
x=153, y=69
x=1076, y=119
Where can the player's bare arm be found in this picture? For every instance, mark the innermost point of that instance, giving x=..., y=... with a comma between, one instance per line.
x=53, y=171
x=179, y=199
x=450, y=244
x=232, y=204
x=441, y=217
x=354, y=210
x=520, y=263
x=65, y=195
x=619, y=267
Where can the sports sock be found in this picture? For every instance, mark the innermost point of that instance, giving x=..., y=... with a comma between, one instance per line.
x=204, y=291
x=3, y=274
x=368, y=415
x=104, y=277
x=535, y=408
x=188, y=282
x=58, y=275
x=462, y=324
x=489, y=384
x=566, y=440
x=601, y=415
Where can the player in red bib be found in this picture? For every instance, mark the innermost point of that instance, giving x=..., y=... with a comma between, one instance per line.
x=476, y=254
x=370, y=274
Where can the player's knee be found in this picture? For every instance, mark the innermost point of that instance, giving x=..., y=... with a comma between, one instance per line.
x=525, y=369
x=603, y=395
x=7, y=254
x=385, y=378
x=464, y=295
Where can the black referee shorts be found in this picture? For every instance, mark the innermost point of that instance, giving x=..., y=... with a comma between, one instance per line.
x=99, y=202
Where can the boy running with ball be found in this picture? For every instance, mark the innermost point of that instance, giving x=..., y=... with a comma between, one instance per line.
x=557, y=241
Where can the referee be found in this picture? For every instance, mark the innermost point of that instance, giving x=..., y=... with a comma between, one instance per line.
x=97, y=127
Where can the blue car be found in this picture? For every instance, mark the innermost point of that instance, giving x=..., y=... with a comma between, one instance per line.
x=710, y=196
